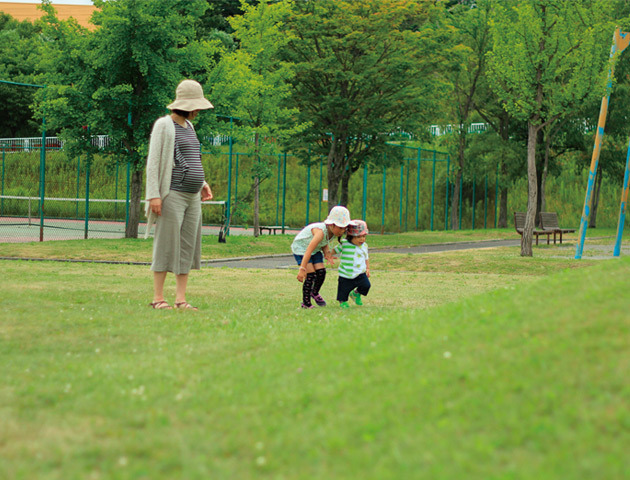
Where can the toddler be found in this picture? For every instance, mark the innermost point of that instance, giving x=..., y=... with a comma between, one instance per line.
x=354, y=264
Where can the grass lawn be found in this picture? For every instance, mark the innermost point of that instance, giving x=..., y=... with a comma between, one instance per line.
x=468, y=364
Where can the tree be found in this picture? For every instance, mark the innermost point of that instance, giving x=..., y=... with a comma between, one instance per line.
x=364, y=70
x=125, y=73
x=252, y=85
x=19, y=48
x=467, y=58
x=548, y=57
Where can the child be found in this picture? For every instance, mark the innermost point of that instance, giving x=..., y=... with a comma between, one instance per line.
x=309, y=248
x=354, y=264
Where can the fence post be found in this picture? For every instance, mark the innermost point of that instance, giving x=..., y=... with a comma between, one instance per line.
x=496, y=196
x=236, y=180
x=128, y=194
x=461, y=196
x=364, y=202
x=383, y=198
x=76, y=214
x=418, y=160
x=87, y=195
x=448, y=172
x=321, y=177
x=622, y=206
x=473, y=198
x=228, y=213
x=284, y=190
x=485, y=204
x=400, y=206
x=433, y=189
x=278, y=189
x=308, y=186
x=2, y=200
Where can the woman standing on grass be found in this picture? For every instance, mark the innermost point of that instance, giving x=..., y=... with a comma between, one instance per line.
x=175, y=188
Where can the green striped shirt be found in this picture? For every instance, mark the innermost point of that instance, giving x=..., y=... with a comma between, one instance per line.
x=353, y=259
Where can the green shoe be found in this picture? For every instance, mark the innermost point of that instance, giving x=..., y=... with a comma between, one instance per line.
x=344, y=304
x=356, y=296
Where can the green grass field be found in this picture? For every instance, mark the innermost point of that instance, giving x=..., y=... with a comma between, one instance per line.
x=469, y=364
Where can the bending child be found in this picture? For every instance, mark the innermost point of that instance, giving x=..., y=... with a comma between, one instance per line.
x=354, y=264
x=311, y=246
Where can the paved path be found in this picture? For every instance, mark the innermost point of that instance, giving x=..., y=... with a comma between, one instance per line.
x=287, y=261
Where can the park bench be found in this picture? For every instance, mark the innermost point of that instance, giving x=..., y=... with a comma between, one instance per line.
x=549, y=222
x=272, y=228
x=519, y=225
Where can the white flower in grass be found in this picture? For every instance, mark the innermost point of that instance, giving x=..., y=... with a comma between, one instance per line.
x=122, y=461
x=68, y=388
x=97, y=350
x=261, y=461
x=179, y=396
x=447, y=355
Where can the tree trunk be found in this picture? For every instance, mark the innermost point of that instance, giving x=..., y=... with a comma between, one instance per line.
x=336, y=167
x=135, y=207
x=532, y=192
x=345, y=181
x=455, y=202
x=592, y=221
x=543, y=177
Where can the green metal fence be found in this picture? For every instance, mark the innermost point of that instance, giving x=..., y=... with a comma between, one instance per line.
x=49, y=196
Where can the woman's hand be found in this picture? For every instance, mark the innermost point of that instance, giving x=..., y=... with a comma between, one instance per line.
x=206, y=193
x=156, y=205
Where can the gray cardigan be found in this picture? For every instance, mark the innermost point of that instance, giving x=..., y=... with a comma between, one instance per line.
x=160, y=163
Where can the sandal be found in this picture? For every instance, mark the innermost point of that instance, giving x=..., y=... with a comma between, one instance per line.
x=185, y=306
x=161, y=305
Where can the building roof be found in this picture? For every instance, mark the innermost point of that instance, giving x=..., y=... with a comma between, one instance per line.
x=29, y=11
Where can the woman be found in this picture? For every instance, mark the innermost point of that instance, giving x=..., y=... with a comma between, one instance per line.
x=175, y=189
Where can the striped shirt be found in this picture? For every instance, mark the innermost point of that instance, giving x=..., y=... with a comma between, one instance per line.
x=353, y=259
x=188, y=173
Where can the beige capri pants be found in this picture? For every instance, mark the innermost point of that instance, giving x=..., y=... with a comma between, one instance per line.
x=177, y=240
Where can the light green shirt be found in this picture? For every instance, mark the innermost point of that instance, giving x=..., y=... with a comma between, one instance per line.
x=303, y=239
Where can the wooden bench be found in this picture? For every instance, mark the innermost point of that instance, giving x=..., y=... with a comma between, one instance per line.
x=272, y=228
x=519, y=225
x=549, y=222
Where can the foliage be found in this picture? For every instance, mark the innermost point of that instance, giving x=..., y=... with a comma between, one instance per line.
x=20, y=44
x=357, y=68
x=122, y=75
x=252, y=85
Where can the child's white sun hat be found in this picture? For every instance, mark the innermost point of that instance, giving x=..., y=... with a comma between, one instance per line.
x=339, y=216
x=357, y=227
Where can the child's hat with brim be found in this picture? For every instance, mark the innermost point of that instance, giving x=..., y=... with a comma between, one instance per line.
x=357, y=227
x=339, y=216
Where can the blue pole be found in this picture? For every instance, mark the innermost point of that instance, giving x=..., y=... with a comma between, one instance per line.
x=619, y=44
x=228, y=212
x=622, y=206
x=400, y=206
x=383, y=200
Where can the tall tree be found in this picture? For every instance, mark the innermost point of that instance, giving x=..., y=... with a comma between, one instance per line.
x=467, y=59
x=363, y=71
x=19, y=48
x=548, y=57
x=252, y=85
x=126, y=72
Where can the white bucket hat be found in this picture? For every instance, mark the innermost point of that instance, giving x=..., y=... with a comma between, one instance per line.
x=339, y=216
x=189, y=97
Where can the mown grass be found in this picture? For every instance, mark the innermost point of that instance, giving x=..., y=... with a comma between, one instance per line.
x=476, y=364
